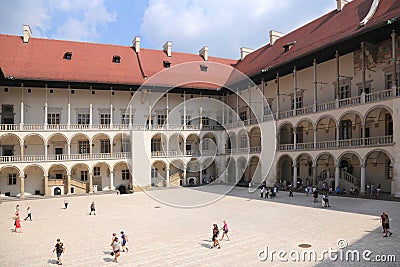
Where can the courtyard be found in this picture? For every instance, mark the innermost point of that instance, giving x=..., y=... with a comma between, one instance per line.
x=164, y=235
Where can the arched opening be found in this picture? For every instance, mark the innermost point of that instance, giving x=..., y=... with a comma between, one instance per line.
x=285, y=171
x=158, y=173
x=57, y=147
x=379, y=171
x=192, y=145
x=231, y=141
x=10, y=181
x=176, y=173
x=286, y=134
x=326, y=132
x=209, y=171
x=193, y=172
x=80, y=147
x=243, y=142
x=231, y=166
x=242, y=172
x=176, y=144
x=121, y=145
x=57, y=175
x=101, y=146
x=350, y=171
x=255, y=170
x=350, y=130
x=255, y=139
x=80, y=178
x=122, y=189
x=304, y=133
x=208, y=145
x=378, y=127
x=326, y=170
x=304, y=170
x=57, y=191
x=10, y=149
x=34, y=180
x=122, y=176
x=159, y=145
x=33, y=147
x=101, y=177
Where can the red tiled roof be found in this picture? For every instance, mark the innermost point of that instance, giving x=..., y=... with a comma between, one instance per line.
x=328, y=29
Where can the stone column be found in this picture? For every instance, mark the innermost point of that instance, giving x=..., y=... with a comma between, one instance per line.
x=184, y=176
x=90, y=182
x=68, y=184
x=69, y=110
x=294, y=138
x=315, y=136
x=315, y=85
x=337, y=176
x=201, y=173
x=294, y=174
x=90, y=150
x=46, y=185
x=22, y=107
x=167, y=177
x=22, y=186
x=112, y=180
x=314, y=174
x=363, y=179
x=90, y=115
x=68, y=150
x=22, y=152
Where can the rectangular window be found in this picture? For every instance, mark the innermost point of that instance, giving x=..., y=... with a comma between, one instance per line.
x=243, y=115
x=206, y=121
x=299, y=134
x=83, y=147
x=243, y=141
x=105, y=119
x=299, y=102
x=345, y=130
x=96, y=171
x=126, y=145
x=161, y=119
x=83, y=118
x=344, y=91
x=104, y=146
x=188, y=120
x=53, y=118
x=84, y=175
x=388, y=124
x=154, y=172
x=125, y=174
x=156, y=145
x=125, y=119
x=12, y=179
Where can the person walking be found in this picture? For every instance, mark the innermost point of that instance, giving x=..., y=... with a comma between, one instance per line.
x=17, y=211
x=215, y=236
x=290, y=192
x=382, y=220
x=315, y=195
x=92, y=208
x=225, y=231
x=387, y=227
x=326, y=200
x=272, y=193
x=59, y=249
x=17, y=225
x=116, y=248
x=29, y=214
x=262, y=189
x=124, y=238
x=65, y=203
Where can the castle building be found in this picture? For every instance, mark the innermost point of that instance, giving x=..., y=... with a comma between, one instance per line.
x=320, y=107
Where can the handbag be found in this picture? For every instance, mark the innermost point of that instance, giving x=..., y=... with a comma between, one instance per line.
x=112, y=253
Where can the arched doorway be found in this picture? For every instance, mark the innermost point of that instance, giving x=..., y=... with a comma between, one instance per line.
x=34, y=180
x=176, y=173
x=57, y=191
x=379, y=170
x=158, y=173
x=122, y=189
x=350, y=170
x=325, y=170
x=304, y=170
x=285, y=170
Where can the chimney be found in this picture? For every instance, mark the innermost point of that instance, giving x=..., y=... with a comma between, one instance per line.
x=341, y=4
x=203, y=52
x=244, y=52
x=136, y=44
x=273, y=36
x=27, y=33
x=168, y=48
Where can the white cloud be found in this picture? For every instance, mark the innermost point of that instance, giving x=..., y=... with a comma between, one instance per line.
x=78, y=20
x=224, y=25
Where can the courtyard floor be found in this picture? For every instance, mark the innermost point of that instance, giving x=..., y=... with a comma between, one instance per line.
x=163, y=235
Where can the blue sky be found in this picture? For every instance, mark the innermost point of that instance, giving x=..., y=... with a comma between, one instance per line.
x=223, y=25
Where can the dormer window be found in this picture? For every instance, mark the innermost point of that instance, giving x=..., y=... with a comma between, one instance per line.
x=116, y=59
x=167, y=64
x=68, y=55
x=203, y=67
x=288, y=46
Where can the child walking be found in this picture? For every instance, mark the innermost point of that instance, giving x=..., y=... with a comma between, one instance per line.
x=225, y=231
x=29, y=214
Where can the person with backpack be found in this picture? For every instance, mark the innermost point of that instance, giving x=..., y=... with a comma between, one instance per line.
x=92, y=208
x=59, y=249
x=116, y=249
x=124, y=238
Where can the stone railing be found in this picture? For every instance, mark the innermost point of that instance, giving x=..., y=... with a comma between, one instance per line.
x=64, y=157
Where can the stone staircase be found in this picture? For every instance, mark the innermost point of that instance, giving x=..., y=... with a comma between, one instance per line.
x=175, y=179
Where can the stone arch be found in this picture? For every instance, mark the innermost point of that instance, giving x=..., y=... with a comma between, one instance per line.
x=284, y=170
x=378, y=171
x=255, y=136
x=34, y=174
x=285, y=133
x=326, y=131
x=159, y=173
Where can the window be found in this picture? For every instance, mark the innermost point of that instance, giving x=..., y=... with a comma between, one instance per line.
x=96, y=171
x=126, y=145
x=243, y=115
x=156, y=145
x=104, y=146
x=12, y=178
x=84, y=175
x=167, y=64
x=388, y=124
x=125, y=119
x=344, y=91
x=105, y=118
x=345, y=130
x=161, y=119
x=83, y=118
x=53, y=118
x=205, y=144
x=243, y=141
x=154, y=172
x=299, y=102
x=83, y=147
x=68, y=55
x=206, y=121
x=299, y=134
x=203, y=68
x=188, y=120
x=116, y=59
x=125, y=174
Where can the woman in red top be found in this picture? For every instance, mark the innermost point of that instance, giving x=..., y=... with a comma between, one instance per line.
x=18, y=225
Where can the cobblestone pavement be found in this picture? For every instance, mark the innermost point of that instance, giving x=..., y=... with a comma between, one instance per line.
x=161, y=235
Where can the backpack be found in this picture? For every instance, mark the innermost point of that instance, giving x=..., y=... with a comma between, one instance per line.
x=60, y=245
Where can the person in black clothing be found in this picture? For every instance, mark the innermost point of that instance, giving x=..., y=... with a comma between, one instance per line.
x=215, y=236
x=315, y=195
x=92, y=208
x=290, y=192
x=59, y=249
